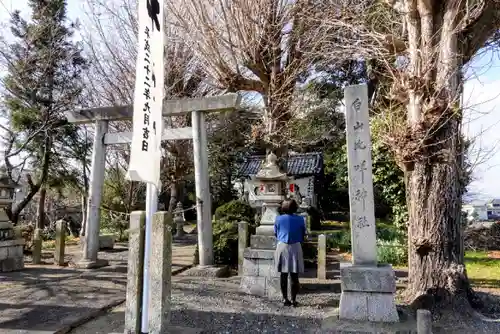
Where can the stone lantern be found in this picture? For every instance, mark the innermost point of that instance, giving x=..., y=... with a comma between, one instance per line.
x=11, y=249
x=259, y=277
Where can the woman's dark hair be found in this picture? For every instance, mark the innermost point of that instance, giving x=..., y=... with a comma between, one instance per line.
x=289, y=207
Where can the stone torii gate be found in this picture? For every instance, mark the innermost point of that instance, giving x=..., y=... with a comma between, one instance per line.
x=101, y=117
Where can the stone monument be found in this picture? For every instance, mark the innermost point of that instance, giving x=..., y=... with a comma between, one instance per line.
x=11, y=247
x=179, y=220
x=367, y=287
x=259, y=277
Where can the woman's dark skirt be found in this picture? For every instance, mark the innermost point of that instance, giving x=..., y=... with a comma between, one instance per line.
x=288, y=258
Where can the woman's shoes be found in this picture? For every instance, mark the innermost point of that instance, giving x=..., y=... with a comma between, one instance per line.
x=286, y=302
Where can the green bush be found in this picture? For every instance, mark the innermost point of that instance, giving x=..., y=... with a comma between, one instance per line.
x=340, y=240
x=388, y=233
x=394, y=252
x=310, y=252
x=235, y=211
x=225, y=242
x=314, y=218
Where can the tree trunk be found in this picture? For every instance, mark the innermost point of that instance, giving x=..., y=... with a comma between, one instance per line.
x=433, y=163
x=83, y=229
x=434, y=253
x=40, y=217
x=174, y=196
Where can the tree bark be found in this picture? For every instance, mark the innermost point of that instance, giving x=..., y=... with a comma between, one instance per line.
x=433, y=163
x=174, y=196
x=40, y=217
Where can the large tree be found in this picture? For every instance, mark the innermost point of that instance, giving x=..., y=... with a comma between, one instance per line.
x=43, y=81
x=422, y=48
x=254, y=46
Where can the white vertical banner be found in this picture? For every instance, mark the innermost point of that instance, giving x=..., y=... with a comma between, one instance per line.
x=145, y=152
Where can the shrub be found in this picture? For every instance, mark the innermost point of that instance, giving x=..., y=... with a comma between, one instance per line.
x=388, y=232
x=310, y=252
x=314, y=218
x=225, y=242
x=26, y=231
x=394, y=252
x=235, y=211
x=340, y=240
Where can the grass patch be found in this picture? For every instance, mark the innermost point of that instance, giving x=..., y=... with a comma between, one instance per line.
x=51, y=244
x=483, y=270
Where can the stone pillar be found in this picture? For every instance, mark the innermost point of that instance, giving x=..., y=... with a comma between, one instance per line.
x=424, y=322
x=36, y=252
x=135, y=267
x=367, y=288
x=91, y=242
x=60, y=243
x=203, y=204
x=322, y=257
x=242, y=244
x=179, y=221
x=160, y=266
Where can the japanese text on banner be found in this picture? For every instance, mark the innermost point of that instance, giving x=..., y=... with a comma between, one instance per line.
x=148, y=98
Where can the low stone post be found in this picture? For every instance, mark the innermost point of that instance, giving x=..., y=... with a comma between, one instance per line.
x=242, y=244
x=161, y=273
x=60, y=242
x=135, y=272
x=36, y=254
x=424, y=322
x=179, y=221
x=322, y=257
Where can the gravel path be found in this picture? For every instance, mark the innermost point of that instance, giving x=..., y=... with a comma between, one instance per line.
x=217, y=306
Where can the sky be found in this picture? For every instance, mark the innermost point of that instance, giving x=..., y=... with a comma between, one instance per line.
x=481, y=119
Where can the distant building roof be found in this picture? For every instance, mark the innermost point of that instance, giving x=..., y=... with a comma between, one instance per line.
x=301, y=164
x=495, y=201
x=476, y=203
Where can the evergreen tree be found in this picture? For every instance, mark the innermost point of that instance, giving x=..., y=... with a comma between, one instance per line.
x=43, y=81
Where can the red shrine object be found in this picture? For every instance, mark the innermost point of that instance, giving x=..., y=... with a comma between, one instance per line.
x=262, y=187
x=292, y=187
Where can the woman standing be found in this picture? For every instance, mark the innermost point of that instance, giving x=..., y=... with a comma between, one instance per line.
x=290, y=231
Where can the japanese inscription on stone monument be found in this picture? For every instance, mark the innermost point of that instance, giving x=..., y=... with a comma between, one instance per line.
x=360, y=175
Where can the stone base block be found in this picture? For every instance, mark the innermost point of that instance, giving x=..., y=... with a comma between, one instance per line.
x=368, y=294
x=86, y=264
x=368, y=306
x=174, y=330
x=263, y=242
x=106, y=242
x=11, y=255
x=207, y=271
x=261, y=286
x=259, y=275
x=11, y=264
x=379, y=278
x=265, y=230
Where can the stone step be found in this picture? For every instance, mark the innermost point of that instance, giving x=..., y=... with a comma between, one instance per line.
x=316, y=285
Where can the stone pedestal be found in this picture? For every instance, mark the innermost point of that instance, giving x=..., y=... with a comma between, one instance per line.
x=11, y=255
x=259, y=277
x=368, y=293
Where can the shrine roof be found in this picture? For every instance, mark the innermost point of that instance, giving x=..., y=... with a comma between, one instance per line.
x=299, y=164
